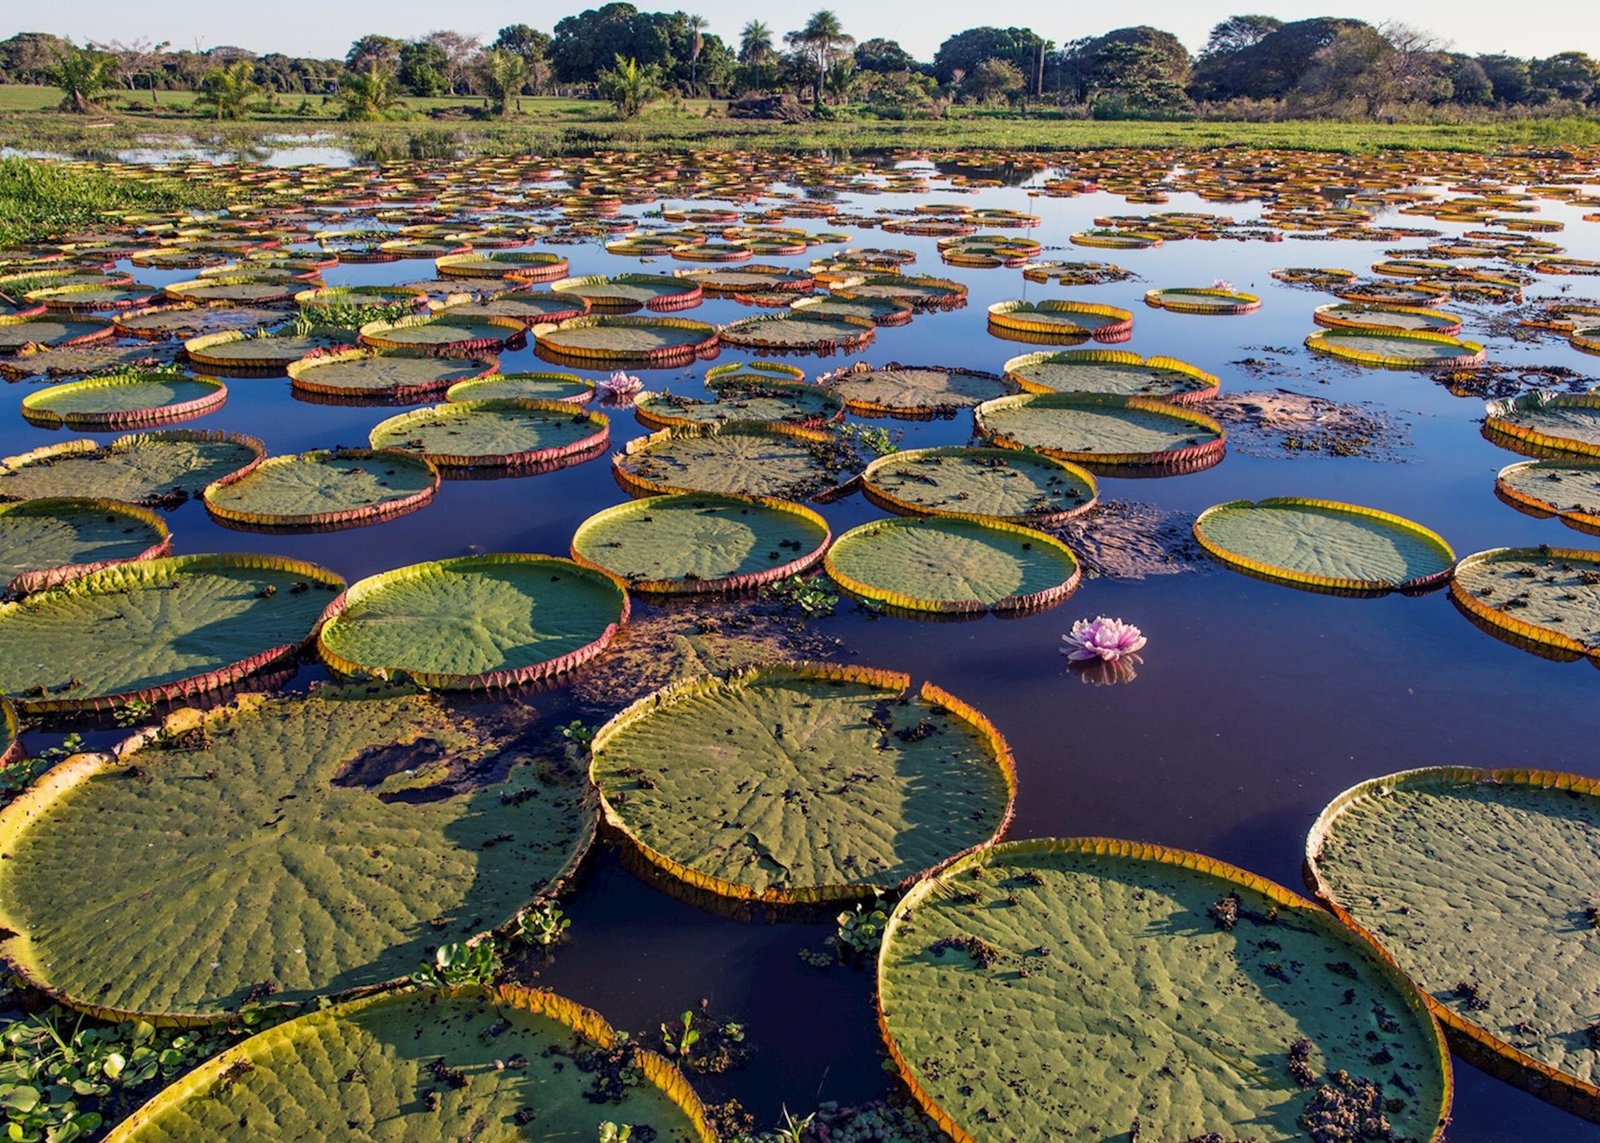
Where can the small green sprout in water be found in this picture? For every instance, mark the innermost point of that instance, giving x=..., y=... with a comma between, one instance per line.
x=875, y=439
x=134, y=712
x=460, y=963
x=577, y=733
x=861, y=930
x=795, y=1127
x=542, y=923
x=680, y=1041
x=615, y=1132
x=806, y=596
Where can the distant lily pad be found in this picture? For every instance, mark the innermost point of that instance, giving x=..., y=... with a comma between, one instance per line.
x=985, y=483
x=919, y=291
x=624, y=293
x=161, y=468
x=428, y=1062
x=1480, y=884
x=18, y=331
x=520, y=265
x=1355, y=315
x=1397, y=349
x=567, y=387
x=233, y=290
x=474, y=621
x=445, y=333
x=1202, y=300
x=1557, y=422
x=1061, y=321
x=750, y=395
x=235, y=352
x=1325, y=544
x=1101, y=428
x=501, y=433
x=954, y=566
x=694, y=542
x=1546, y=598
x=294, y=811
x=879, y=311
x=914, y=390
x=157, y=630
x=1568, y=490
x=530, y=307
x=737, y=460
x=375, y=375
x=46, y=542
x=802, y=782
x=123, y=400
x=1012, y=974
x=800, y=331
x=626, y=340
x=324, y=489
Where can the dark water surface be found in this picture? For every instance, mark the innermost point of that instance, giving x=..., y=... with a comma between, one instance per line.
x=1255, y=705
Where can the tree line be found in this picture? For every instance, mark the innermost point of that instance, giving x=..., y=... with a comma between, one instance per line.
x=1251, y=66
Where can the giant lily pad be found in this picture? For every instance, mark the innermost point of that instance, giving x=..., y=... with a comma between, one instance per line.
x=1568, y=490
x=953, y=565
x=737, y=460
x=475, y=621
x=1056, y=320
x=124, y=400
x=610, y=340
x=1557, y=422
x=236, y=352
x=11, y=751
x=1544, y=598
x=530, y=307
x=802, y=782
x=520, y=265
x=157, y=629
x=141, y=468
x=1480, y=884
x=430, y=823
x=759, y=392
x=913, y=390
x=1325, y=544
x=46, y=542
x=183, y=322
x=324, y=489
x=879, y=311
x=428, y=1065
x=983, y=483
x=1204, y=1002
x=800, y=331
x=1103, y=428
x=367, y=375
x=19, y=331
x=501, y=433
x=1397, y=348
x=90, y=298
x=693, y=542
x=1354, y=315
x=238, y=289
x=567, y=387
x=624, y=293
x=1202, y=300
x=919, y=291
x=1112, y=371
x=445, y=333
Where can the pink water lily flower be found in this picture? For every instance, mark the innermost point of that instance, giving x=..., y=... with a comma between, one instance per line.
x=619, y=384
x=1101, y=638
x=1222, y=284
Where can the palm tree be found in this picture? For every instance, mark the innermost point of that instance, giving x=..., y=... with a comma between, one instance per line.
x=229, y=89
x=370, y=94
x=502, y=75
x=629, y=86
x=82, y=74
x=755, y=42
x=820, y=41
x=697, y=24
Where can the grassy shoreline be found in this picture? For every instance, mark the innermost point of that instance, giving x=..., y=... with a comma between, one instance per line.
x=555, y=126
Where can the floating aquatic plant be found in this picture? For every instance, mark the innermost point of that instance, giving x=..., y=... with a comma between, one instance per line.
x=619, y=387
x=1102, y=638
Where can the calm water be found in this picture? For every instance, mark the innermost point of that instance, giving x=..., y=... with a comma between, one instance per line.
x=1256, y=704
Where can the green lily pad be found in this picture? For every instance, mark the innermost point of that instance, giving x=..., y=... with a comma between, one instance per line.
x=1103, y=428
x=1568, y=490
x=522, y=265
x=1558, y=422
x=530, y=307
x=1480, y=884
x=1112, y=371
x=748, y=279
x=11, y=751
x=802, y=782
x=953, y=565
x=324, y=489
x=623, y=293
x=45, y=542
x=504, y=433
x=1546, y=597
x=234, y=350
x=1399, y=349
x=475, y=621
x=1356, y=315
x=423, y=1066
x=98, y=297
x=984, y=483
x=800, y=331
x=568, y=387
x=737, y=459
x=919, y=291
x=181, y=322
x=233, y=290
x=745, y=396
x=17, y=332
x=123, y=400
x=1201, y=999
x=693, y=542
x=611, y=340
x=1325, y=544
x=913, y=390
x=432, y=823
x=157, y=629
x=163, y=468
x=446, y=333
x=879, y=311
x=361, y=373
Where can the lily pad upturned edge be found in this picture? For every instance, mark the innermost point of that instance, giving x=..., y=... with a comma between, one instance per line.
x=32, y=581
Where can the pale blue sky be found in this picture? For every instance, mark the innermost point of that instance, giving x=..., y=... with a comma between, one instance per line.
x=326, y=28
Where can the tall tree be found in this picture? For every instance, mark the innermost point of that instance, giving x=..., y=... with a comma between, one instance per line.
x=501, y=74
x=964, y=51
x=384, y=49
x=819, y=43
x=697, y=26
x=534, y=48
x=135, y=58
x=881, y=56
x=460, y=52
x=1237, y=33
x=371, y=94
x=755, y=42
x=423, y=67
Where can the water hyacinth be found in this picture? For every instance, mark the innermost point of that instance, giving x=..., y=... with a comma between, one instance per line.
x=1101, y=638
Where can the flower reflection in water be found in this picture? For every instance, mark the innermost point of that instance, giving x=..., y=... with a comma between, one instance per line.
x=1108, y=672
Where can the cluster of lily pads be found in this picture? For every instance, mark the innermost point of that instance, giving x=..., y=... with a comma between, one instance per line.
x=302, y=854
